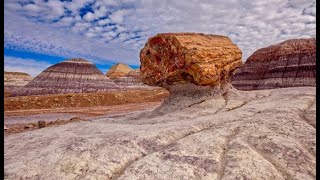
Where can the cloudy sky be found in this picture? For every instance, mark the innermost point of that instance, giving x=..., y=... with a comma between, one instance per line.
x=39, y=33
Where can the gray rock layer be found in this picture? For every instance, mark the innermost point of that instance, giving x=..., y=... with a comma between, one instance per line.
x=291, y=63
x=70, y=76
x=266, y=134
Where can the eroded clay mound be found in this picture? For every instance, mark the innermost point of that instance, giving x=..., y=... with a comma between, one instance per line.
x=288, y=64
x=132, y=80
x=70, y=76
x=267, y=134
x=175, y=58
x=14, y=80
x=118, y=70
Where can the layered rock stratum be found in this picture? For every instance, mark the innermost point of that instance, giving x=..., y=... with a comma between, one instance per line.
x=200, y=132
x=118, y=70
x=71, y=76
x=14, y=80
x=132, y=80
x=288, y=64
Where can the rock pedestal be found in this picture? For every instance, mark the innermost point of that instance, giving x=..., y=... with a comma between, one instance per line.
x=193, y=67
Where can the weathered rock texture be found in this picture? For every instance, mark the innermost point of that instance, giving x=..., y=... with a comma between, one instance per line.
x=14, y=80
x=288, y=64
x=70, y=76
x=200, y=132
x=175, y=58
x=266, y=134
x=132, y=80
x=118, y=70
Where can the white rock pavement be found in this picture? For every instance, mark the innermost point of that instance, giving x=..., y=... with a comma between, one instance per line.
x=266, y=134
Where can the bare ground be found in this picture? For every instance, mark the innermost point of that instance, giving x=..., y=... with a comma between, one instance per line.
x=266, y=134
x=25, y=111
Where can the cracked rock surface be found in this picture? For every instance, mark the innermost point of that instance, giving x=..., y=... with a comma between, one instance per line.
x=265, y=134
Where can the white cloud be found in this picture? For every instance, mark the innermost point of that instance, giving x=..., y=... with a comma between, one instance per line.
x=31, y=66
x=89, y=16
x=99, y=35
x=104, y=22
x=118, y=16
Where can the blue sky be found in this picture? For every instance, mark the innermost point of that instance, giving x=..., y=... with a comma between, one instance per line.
x=39, y=33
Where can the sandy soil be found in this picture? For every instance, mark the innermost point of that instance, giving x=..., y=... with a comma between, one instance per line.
x=21, y=112
x=84, y=99
x=267, y=134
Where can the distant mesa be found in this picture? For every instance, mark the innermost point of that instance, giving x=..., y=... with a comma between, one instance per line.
x=291, y=63
x=15, y=80
x=71, y=76
x=118, y=70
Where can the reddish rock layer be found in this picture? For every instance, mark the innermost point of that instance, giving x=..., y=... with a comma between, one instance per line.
x=288, y=64
x=181, y=58
x=70, y=76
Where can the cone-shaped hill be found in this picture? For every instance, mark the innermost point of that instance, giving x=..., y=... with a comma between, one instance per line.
x=118, y=70
x=70, y=76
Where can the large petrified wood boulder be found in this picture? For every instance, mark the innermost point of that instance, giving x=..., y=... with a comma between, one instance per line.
x=288, y=64
x=118, y=70
x=193, y=67
x=180, y=58
x=14, y=80
x=70, y=76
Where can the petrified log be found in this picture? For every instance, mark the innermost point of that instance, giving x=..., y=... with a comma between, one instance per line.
x=180, y=58
x=288, y=64
x=193, y=67
x=70, y=76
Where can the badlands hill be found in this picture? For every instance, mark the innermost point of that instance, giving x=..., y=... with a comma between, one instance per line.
x=132, y=81
x=126, y=78
x=118, y=70
x=70, y=76
x=206, y=129
x=288, y=64
x=14, y=80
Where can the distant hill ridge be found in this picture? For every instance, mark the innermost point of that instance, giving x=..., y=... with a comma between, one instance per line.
x=75, y=75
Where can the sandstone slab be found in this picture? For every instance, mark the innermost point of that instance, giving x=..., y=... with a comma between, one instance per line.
x=266, y=134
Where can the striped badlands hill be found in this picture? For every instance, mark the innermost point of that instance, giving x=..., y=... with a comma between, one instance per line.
x=118, y=70
x=14, y=80
x=288, y=64
x=132, y=81
x=70, y=76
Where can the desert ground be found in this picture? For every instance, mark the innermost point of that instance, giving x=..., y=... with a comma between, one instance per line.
x=21, y=112
x=262, y=134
